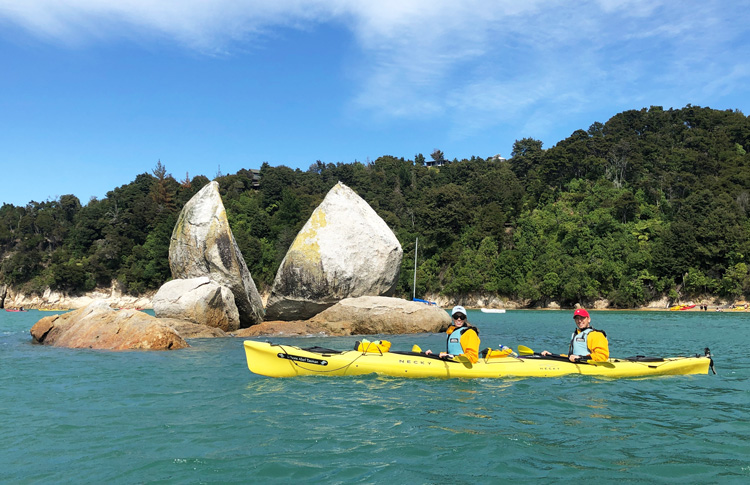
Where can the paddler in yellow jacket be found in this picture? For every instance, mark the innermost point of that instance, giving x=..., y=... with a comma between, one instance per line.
x=586, y=342
x=463, y=338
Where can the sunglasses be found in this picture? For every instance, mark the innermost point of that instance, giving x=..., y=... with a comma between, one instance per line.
x=459, y=317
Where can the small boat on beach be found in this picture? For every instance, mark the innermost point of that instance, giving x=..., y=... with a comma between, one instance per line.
x=427, y=302
x=740, y=306
x=493, y=310
x=276, y=360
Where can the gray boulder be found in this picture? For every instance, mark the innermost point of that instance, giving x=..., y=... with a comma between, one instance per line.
x=202, y=244
x=194, y=330
x=369, y=315
x=365, y=315
x=197, y=300
x=345, y=250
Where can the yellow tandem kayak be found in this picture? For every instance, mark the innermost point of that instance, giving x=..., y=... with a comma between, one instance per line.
x=275, y=360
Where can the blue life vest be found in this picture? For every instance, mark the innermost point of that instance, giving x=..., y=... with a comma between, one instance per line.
x=454, y=341
x=579, y=343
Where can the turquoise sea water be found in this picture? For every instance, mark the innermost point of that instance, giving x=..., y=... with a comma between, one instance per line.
x=199, y=416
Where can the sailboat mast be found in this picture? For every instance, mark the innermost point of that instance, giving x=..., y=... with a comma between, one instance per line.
x=414, y=288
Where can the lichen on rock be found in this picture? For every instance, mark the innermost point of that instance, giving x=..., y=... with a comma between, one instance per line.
x=344, y=250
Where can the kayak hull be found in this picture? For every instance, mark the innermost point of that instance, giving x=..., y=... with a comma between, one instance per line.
x=289, y=361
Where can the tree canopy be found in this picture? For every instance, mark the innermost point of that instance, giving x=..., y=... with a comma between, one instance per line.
x=653, y=202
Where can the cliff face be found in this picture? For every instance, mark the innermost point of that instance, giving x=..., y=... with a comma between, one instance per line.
x=113, y=296
x=115, y=299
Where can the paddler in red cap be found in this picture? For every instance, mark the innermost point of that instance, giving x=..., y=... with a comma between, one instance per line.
x=587, y=343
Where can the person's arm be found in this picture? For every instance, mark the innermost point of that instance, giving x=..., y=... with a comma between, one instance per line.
x=598, y=346
x=470, y=344
x=546, y=353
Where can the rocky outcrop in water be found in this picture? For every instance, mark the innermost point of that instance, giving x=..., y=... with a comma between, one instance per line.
x=202, y=244
x=369, y=315
x=197, y=300
x=193, y=330
x=345, y=250
x=278, y=328
x=97, y=326
x=365, y=315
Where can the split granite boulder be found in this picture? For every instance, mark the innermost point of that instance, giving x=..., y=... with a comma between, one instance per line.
x=202, y=244
x=344, y=250
x=97, y=326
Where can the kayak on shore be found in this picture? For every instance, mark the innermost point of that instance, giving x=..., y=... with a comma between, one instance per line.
x=678, y=308
x=275, y=360
x=427, y=302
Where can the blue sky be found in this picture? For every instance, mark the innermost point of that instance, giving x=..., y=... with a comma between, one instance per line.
x=94, y=92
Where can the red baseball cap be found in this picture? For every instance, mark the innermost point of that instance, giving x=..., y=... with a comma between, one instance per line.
x=580, y=313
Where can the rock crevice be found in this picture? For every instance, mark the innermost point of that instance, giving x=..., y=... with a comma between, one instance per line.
x=202, y=245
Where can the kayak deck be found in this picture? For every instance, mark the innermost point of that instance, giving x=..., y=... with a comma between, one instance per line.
x=275, y=360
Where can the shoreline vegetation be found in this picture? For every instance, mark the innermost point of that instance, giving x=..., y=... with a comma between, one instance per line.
x=53, y=301
x=650, y=209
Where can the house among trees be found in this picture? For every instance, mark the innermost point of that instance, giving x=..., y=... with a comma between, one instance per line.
x=256, y=177
x=438, y=159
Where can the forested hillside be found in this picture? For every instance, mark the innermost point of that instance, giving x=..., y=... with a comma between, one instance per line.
x=653, y=202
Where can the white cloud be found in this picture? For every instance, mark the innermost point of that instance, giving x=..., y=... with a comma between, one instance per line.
x=199, y=24
x=476, y=61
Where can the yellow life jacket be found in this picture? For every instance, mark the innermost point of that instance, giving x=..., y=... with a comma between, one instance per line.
x=503, y=351
x=376, y=347
x=495, y=353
